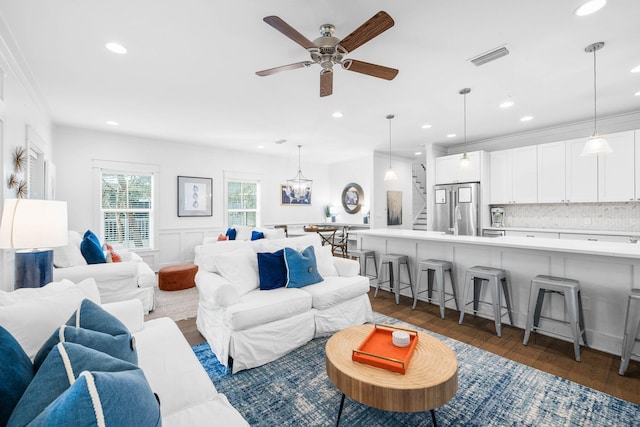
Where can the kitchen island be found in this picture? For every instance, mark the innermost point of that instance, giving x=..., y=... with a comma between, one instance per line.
x=607, y=271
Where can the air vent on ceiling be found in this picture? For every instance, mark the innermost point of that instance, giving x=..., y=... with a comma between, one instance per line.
x=492, y=55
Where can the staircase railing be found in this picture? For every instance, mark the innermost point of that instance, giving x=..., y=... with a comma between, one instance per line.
x=419, y=173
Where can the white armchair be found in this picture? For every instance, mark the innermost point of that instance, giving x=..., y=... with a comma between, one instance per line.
x=117, y=281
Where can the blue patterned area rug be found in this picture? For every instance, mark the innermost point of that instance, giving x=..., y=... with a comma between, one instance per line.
x=492, y=391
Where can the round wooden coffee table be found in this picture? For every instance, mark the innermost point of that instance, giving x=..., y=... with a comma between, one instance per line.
x=431, y=379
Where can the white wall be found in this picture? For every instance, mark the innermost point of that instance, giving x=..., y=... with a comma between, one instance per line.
x=359, y=171
x=20, y=107
x=75, y=149
x=402, y=167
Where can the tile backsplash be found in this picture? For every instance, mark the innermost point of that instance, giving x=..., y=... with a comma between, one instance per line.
x=624, y=216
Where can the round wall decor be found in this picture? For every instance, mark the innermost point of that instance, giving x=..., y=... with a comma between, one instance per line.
x=352, y=198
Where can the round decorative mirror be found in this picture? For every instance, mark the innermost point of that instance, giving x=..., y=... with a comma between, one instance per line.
x=352, y=198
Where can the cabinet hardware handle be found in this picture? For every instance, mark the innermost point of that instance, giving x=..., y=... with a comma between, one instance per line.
x=530, y=235
x=593, y=240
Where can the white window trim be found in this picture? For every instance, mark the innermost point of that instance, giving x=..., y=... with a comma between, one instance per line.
x=119, y=167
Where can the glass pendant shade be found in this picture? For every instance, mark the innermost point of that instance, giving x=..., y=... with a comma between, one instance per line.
x=465, y=162
x=390, y=175
x=299, y=185
x=595, y=145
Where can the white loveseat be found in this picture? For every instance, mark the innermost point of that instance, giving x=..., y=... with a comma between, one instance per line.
x=251, y=327
x=186, y=394
x=117, y=281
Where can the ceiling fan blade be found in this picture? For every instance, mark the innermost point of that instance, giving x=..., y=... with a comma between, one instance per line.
x=289, y=31
x=270, y=71
x=370, y=69
x=375, y=26
x=326, y=82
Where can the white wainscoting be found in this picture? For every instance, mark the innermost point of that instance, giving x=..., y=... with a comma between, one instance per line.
x=176, y=246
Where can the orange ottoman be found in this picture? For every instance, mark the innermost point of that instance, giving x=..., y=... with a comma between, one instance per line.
x=177, y=277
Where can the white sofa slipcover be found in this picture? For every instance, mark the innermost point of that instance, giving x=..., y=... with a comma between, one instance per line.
x=117, y=281
x=257, y=327
x=187, y=395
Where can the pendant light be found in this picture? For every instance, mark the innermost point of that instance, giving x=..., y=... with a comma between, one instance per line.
x=299, y=185
x=596, y=144
x=390, y=175
x=465, y=162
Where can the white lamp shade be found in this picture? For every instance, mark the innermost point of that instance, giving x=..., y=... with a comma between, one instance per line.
x=390, y=175
x=595, y=145
x=30, y=224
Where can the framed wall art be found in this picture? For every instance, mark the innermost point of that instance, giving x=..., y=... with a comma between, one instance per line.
x=291, y=197
x=194, y=196
x=394, y=207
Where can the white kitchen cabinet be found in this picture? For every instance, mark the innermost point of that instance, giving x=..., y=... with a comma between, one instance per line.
x=449, y=170
x=538, y=234
x=616, y=170
x=514, y=175
x=581, y=173
x=552, y=172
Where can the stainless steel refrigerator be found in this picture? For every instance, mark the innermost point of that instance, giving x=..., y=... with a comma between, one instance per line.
x=457, y=208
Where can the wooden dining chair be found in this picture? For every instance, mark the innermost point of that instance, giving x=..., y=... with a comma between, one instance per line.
x=341, y=244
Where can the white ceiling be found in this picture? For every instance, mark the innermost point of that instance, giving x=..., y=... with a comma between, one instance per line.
x=190, y=71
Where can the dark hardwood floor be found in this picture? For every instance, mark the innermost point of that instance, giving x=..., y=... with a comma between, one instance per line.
x=597, y=370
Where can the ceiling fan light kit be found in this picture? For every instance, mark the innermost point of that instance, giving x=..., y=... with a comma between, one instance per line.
x=595, y=144
x=328, y=50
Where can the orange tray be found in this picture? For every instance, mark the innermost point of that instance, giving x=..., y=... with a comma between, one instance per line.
x=378, y=349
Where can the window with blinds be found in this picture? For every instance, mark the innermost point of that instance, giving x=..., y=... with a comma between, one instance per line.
x=242, y=203
x=127, y=208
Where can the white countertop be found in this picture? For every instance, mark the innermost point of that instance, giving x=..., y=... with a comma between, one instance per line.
x=611, y=249
x=567, y=230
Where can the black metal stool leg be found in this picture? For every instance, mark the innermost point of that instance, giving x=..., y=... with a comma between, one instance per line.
x=433, y=418
x=340, y=410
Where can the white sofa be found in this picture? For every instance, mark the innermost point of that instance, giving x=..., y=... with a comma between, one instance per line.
x=251, y=327
x=117, y=281
x=186, y=394
x=243, y=232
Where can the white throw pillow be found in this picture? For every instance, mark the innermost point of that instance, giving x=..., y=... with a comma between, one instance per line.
x=69, y=255
x=32, y=322
x=324, y=261
x=243, y=232
x=239, y=267
x=206, y=254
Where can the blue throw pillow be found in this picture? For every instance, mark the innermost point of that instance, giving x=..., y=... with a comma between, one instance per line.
x=231, y=233
x=104, y=398
x=61, y=367
x=257, y=235
x=15, y=374
x=91, y=249
x=302, y=269
x=93, y=327
x=272, y=270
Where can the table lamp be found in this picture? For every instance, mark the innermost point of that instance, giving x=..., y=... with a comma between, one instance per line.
x=32, y=227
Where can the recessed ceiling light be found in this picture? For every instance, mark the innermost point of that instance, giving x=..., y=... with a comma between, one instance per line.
x=451, y=135
x=636, y=69
x=260, y=146
x=112, y=123
x=506, y=104
x=418, y=153
x=526, y=118
x=590, y=7
x=426, y=126
x=637, y=93
x=116, y=48
x=337, y=114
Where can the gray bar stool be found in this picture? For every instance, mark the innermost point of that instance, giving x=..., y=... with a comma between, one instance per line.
x=494, y=277
x=570, y=290
x=435, y=269
x=393, y=262
x=631, y=328
x=363, y=256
